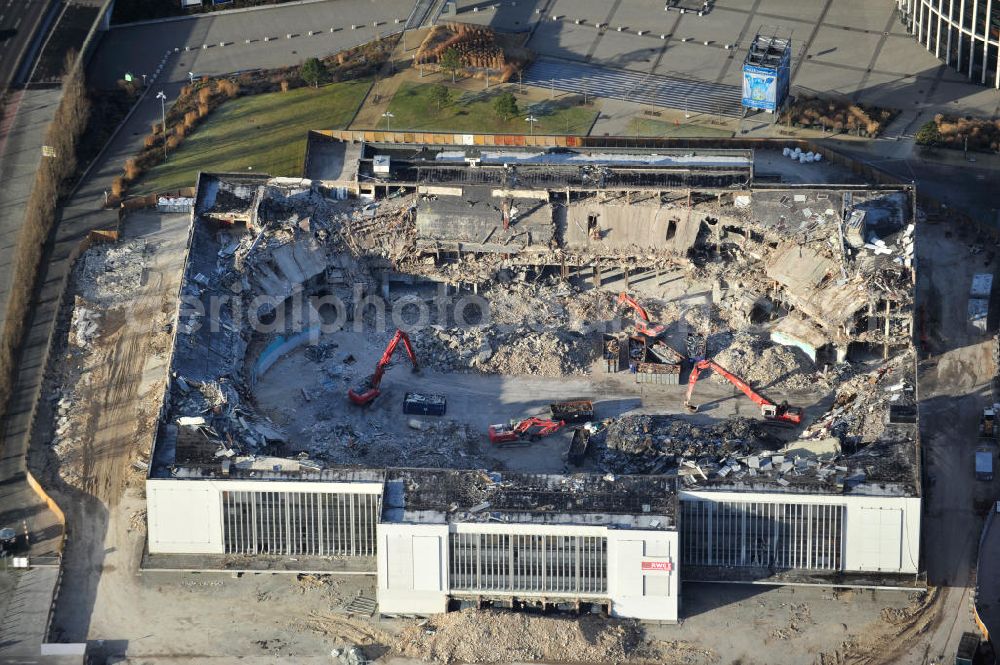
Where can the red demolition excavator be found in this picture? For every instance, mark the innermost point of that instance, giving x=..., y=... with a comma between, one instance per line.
x=365, y=394
x=780, y=412
x=524, y=431
x=643, y=326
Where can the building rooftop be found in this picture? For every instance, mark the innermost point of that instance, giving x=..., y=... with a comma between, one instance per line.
x=441, y=496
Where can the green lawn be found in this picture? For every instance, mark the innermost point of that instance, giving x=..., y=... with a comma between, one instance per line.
x=265, y=132
x=473, y=112
x=639, y=126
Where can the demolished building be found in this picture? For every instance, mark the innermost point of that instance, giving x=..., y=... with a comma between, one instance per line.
x=825, y=271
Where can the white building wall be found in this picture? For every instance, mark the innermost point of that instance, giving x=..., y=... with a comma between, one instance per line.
x=412, y=568
x=643, y=574
x=185, y=516
x=881, y=533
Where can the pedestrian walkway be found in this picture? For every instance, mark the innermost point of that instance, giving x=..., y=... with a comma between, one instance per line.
x=662, y=91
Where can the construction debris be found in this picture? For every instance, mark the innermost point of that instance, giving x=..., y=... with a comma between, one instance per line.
x=106, y=273
x=794, y=278
x=472, y=636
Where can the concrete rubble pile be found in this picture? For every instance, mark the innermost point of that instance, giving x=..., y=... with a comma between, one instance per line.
x=861, y=409
x=763, y=364
x=349, y=656
x=433, y=443
x=212, y=414
x=506, y=350
x=472, y=636
x=824, y=259
x=85, y=324
x=105, y=274
x=66, y=440
x=654, y=444
x=850, y=445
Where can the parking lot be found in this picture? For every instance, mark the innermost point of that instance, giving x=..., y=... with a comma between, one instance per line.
x=852, y=47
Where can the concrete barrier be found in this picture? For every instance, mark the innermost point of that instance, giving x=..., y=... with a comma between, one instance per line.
x=36, y=487
x=281, y=346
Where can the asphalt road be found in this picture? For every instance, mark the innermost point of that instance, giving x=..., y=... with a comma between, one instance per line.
x=137, y=49
x=19, y=20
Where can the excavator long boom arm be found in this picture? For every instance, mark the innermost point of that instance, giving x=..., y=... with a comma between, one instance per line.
x=631, y=302
x=365, y=394
x=767, y=408
x=383, y=362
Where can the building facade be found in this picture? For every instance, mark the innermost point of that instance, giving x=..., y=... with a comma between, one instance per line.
x=965, y=34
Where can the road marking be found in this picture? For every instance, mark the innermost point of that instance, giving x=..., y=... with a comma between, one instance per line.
x=17, y=22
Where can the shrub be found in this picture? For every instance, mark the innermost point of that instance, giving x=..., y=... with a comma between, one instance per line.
x=190, y=119
x=132, y=170
x=118, y=187
x=204, y=96
x=284, y=85
x=227, y=88
x=505, y=106
x=202, y=110
x=150, y=141
x=173, y=142
x=313, y=72
x=51, y=181
x=928, y=134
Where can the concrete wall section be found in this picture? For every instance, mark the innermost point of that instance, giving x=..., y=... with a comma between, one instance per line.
x=880, y=533
x=185, y=516
x=412, y=568
x=644, y=574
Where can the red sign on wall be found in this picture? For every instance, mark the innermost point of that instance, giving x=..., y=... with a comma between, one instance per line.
x=658, y=565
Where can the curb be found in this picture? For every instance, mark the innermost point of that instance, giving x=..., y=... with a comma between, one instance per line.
x=48, y=17
x=192, y=17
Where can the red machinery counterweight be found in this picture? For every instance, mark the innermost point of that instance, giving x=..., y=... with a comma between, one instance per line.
x=529, y=429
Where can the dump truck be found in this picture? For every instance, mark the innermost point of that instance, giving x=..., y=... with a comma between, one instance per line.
x=984, y=464
x=987, y=423
x=578, y=447
x=573, y=412
x=424, y=404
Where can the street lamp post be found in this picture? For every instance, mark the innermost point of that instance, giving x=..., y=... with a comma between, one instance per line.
x=531, y=120
x=387, y=115
x=163, y=116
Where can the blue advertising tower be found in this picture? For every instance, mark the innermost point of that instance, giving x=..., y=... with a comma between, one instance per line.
x=766, y=73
